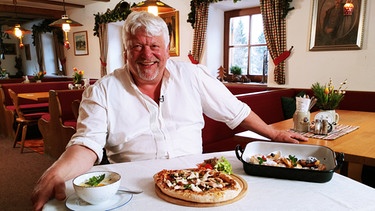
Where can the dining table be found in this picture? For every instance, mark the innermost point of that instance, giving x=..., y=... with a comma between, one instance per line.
x=36, y=96
x=358, y=146
x=262, y=193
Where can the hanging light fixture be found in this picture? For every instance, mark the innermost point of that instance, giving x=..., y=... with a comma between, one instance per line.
x=153, y=6
x=17, y=30
x=65, y=23
x=348, y=7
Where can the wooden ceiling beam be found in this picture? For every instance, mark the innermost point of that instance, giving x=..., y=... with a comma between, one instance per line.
x=58, y=3
x=32, y=11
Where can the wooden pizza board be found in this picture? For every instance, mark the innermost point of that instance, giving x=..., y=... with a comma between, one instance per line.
x=177, y=201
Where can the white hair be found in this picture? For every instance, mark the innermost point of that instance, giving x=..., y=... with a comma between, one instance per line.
x=153, y=25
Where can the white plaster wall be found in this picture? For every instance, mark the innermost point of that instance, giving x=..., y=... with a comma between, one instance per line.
x=304, y=67
x=91, y=62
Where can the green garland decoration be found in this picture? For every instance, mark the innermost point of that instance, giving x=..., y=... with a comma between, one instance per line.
x=286, y=7
x=119, y=13
x=196, y=3
x=44, y=27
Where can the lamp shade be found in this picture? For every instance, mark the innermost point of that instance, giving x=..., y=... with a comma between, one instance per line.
x=17, y=28
x=348, y=8
x=145, y=5
x=64, y=20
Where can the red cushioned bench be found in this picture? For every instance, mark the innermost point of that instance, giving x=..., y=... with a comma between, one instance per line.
x=217, y=136
x=7, y=108
x=59, y=125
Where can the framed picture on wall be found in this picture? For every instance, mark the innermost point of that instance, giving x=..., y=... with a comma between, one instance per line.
x=172, y=20
x=81, y=46
x=10, y=48
x=333, y=28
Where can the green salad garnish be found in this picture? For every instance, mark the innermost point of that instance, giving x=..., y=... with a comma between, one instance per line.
x=293, y=159
x=95, y=180
x=223, y=165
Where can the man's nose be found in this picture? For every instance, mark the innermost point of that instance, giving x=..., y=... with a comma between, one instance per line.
x=146, y=51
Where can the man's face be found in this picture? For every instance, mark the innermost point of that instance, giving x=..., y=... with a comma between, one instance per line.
x=146, y=57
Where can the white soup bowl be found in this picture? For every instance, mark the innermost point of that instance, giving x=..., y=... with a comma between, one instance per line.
x=97, y=194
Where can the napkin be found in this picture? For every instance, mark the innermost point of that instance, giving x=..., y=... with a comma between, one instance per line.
x=302, y=104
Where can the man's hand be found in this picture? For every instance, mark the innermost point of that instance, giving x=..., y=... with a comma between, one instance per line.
x=47, y=187
x=75, y=160
x=289, y=137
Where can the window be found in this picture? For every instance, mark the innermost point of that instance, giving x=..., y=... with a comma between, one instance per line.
x=245, y=44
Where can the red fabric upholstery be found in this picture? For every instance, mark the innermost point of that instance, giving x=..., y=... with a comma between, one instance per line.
x=34, y=116
x=71, y=123
x=66, y=98
x=267, y=104
x=46, y=117
x=217, y=136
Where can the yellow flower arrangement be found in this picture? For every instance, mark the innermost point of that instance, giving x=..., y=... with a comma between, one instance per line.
x=328, y=98
x=77, y=76
x=39, y=75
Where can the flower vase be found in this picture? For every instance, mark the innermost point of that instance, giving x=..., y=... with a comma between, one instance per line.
x=330, y=115
x=78, y=86
x=39, y=81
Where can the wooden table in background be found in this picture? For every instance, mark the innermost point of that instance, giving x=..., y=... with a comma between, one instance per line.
x=357, y=146
x=37, y=96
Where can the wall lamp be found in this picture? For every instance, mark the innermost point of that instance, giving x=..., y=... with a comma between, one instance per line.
x=348, y=7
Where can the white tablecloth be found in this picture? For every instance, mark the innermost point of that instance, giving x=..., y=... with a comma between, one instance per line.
x=341, y=193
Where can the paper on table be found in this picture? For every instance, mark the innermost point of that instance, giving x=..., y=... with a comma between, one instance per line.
x=251, y=134
x=302, y=104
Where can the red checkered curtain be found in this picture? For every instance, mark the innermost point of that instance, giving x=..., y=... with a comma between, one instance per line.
x=275, y=33
x=200, y=29
x=103, y=45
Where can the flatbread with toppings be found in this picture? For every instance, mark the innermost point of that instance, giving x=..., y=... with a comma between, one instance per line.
x=201, y=185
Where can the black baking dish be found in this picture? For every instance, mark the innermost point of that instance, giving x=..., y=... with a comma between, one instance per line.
x=324, y=154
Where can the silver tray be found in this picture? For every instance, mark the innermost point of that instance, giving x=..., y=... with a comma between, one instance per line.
x=324, y=154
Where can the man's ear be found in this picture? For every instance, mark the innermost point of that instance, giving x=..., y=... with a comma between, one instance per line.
x=168, y=51
x=125, y=56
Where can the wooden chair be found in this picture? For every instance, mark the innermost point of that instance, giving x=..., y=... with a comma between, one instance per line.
x=6, y=117
x=59, y=126
x=75, y=107
x=23, y=120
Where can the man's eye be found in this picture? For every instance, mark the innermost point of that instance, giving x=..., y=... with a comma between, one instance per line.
x=137, y=47
x=155, y=46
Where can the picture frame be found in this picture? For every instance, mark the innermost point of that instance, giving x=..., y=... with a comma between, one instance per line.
x=10, y=48
x=172, y=21
x=342, y=32
x=81, y=45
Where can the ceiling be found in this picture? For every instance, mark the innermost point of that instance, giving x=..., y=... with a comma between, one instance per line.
x=227, y=5
x=23, y=11
x=29, y=10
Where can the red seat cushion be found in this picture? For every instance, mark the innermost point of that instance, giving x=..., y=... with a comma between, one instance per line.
x=34, y=116
x=72, y=123
x=46, y=117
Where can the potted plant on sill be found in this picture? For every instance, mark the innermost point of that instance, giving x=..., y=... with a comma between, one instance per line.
x=237, y=72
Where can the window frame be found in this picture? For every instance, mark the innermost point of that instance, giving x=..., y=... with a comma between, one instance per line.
x=227, y=16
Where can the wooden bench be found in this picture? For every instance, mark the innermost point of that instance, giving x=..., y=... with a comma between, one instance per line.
x=217, y=136
x=59, y=125
x=7, y=108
